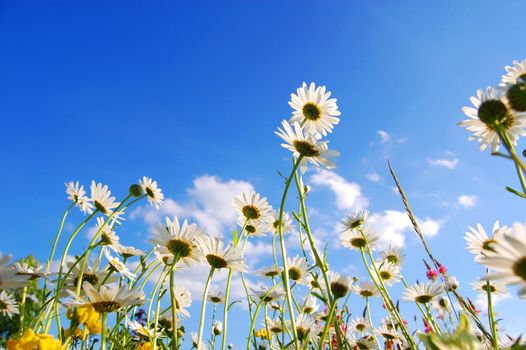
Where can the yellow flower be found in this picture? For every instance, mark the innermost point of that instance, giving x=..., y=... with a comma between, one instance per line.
x=76, y=333
x=144, y=346
x=87, y=315
x=32, y=341
x=263, y=334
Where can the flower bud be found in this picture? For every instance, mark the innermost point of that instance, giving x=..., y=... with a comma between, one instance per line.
x=136, y=190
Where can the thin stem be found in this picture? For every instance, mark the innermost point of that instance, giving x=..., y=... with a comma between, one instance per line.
x=328, y=323
x=491, y=316
x=225, y=310
x=173, y=302
x=22, y=311
x=103, y=331
x=368, y=307
x=203, y=308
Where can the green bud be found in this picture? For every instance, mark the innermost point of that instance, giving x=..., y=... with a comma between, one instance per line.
x=136, y=190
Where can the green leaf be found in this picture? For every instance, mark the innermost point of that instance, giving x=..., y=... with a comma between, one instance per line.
x=462, y=339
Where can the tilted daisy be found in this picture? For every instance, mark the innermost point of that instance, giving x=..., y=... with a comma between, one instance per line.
x=514, y=72
x=8, y=305
x=108, y=237
x=365, y=342
x=102, y=199
x=298, y=269
x=182, y=241
x=216, y=296
x=313, y=150
x=422, y=293
x=251, y=206
x=275, y=325
x=495, y=287
x=478, y=241
x=355, y=220
x=359, y=239
x=310, y=305
x=359, y=325
x=389, y=333
x=118, y=266
x=389, y=273
x=34, y=272
x=270, y=271
x=365, y=289
x=272, y=223
x=508, y=262
x=306, y=327
x=108, y=298
x=92, y=274
x=267, y=295
x=253, y=228
x=141, y=330
x=183, y=300
x=442, y=305
x=340, y=285
x=220, y=256
x=77, y=195
x=451, y=283
x=314, y=109
x=490, y=112
x=129, y=251
x=393, y=254
x=153, y=193
x=9, y=279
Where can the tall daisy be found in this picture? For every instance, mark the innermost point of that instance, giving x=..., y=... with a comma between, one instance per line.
x=253, y=228
x=306, y=327
x=314, y=108
x=270, y=271
x=360, y=325
x=514, y=83
x=108, y=298
x=300, y=143
x=340, y=285
x=216, y=296
x=108, y=237
x=480, y=243
x=272, y=223
x=220, y=256
x=422, y=293
x=388, y=272
x=298, y=269
x=153, y=193
x=181, y=241
x=358, y=239
x=8, y=305
x=393, y=254
x=267, y=295
x=355, y=220
x=310, y=305
x=118, y=266
x=77, y=195
x=514, y=72
x=251, y=206
x=92, y=274
x=495, y=287
x=508, y=262
x=489, y=112
x=183, y=300
x=102, y=199
x=275, y=325
x=365, y=289
x=9, y=278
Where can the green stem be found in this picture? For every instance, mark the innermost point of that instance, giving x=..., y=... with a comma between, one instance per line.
x=225, y=310
x=368, y=306
x=491, y=316
x=22, y=311
x=328, y=323
x=203, y=308
x=173, y=304
x=103, y=332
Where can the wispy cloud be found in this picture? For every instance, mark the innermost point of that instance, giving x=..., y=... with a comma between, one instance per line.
x=373, y=177
x=348, y=194
x=384, y=136
x=467, y=201
x=449, y=162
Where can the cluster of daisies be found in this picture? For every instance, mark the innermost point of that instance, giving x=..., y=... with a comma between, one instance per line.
x=101, y=297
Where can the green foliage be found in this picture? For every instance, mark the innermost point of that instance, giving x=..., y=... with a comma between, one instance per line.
x=462, y=339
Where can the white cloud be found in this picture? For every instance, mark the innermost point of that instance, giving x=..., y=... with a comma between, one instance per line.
x=393, y=225
x=384, y=136
x=450, y=163
x=209, y=204
x=373, y=177
x=348, y=194
x=467, y=201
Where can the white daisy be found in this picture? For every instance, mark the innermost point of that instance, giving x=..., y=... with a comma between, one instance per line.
x=490, y=109
x=108, y=237
x=270, y=271
x=183, y=300
x=129, y=251
x=514, y=72
x=216, y=296
x=102, y=199
x=219, y=257
x=365, y=289
x=217, y=327
x=92, y=274
x=153, y=193
x=340, y=285
x=275, y=325
x=451, y=283
x=298, y=269
x=495, y=287
x=393, y=254
x=253, y=228
x=508, y=262
x=266, y=295
x=141, y=330
x=355, y=220
x=360, y=325
x=306, y=328
x=181, y=241
x=34, y=272
x=9, y=279
x=389, y=273
x=442, y=305
x=251, y=206
x=272, y=223
x=310, y=305
x=8, y=305
x=117, y=265
x=313, y=150
x=109, y=298
x=77, y=195
x=389, y=333
x=422, y=293
x=195, y=340
x=358, y=239
x=478, y=241
x=365, y=342
x=314, y=109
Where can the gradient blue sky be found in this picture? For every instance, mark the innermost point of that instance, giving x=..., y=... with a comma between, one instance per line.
x=113, y=91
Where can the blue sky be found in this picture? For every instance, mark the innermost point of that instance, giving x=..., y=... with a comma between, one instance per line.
x=190, y=94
